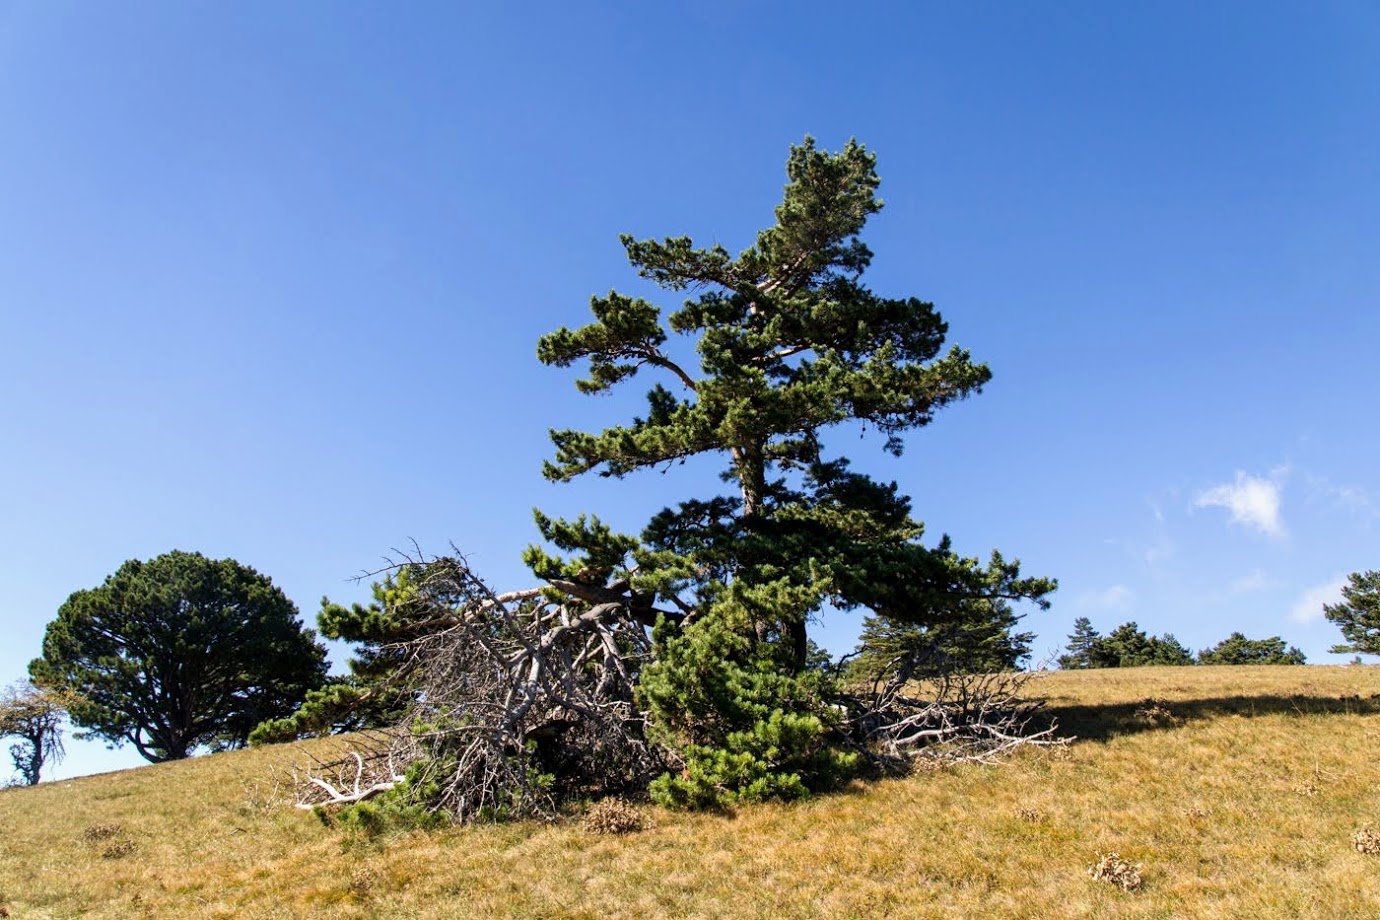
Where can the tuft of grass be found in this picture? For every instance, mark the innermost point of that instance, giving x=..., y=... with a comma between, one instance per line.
x=1366, y=841
x=1111, y=868
x=97, y=832
x=612, y=816
x=217, y=836
x=119, y=849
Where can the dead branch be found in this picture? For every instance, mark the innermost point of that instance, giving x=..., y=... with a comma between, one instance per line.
x=952, y=717
x=519, y=699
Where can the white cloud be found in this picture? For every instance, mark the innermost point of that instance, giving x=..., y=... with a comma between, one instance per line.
x=1310, y=602
x=1246, y=584
x=1117, y=597
x=1252, y=501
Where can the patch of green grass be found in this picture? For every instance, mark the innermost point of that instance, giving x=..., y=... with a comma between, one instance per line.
x=1238, y=791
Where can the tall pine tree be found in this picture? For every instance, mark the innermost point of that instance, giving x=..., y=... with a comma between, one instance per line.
x=791, y=344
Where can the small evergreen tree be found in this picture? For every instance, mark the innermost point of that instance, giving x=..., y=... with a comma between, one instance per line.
x=1237, y=649
x=744, y=728
x=1127, y=646
x=981, y=640
x=1358, y=615
x=1084, y=647
x=1167, y=650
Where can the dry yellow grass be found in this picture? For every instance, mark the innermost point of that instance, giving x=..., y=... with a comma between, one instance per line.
x=1238, y=790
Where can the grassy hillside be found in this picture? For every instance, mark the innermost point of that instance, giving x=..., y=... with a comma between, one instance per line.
x=1238, y=790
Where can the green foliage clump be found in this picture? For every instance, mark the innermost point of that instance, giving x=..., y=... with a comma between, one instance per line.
x=369, y=696
x=405, y=807
x=1237, y=649
x=1358, y=615
x=1127, y=646
x=178, y=653
x=979, y=639
x=744, y=728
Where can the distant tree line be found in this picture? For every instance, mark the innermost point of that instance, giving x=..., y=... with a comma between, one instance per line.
x=1129, y=646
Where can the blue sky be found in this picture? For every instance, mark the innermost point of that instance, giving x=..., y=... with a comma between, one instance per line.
x=271, y=277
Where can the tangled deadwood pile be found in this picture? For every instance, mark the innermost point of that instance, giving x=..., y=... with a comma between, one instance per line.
x=952, y=716
x=518, y=700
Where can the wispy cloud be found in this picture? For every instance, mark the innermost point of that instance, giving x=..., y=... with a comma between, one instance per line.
x=1252, y=500
x=1310, y=602
x=1162, y=547
x=1117, y=597
x=1248, y=584
x=1351, y=498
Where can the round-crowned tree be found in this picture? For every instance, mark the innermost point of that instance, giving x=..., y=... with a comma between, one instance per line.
x=180, y=653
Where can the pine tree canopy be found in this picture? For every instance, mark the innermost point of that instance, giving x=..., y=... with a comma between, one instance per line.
x=790, y=344
x=1237, y=649
x=1358, y=614
x=178, y=653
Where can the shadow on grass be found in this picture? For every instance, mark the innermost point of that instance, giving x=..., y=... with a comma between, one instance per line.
x=1106, y=721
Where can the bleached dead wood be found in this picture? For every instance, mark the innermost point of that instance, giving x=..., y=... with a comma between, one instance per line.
x=949, y=718
x=517, y=698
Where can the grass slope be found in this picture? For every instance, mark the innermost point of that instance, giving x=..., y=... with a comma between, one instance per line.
x=1237, y=789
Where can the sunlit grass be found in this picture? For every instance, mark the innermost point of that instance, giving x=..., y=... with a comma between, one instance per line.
x=1238, y=791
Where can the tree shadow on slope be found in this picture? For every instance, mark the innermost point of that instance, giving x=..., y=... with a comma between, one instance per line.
x=1103, y=722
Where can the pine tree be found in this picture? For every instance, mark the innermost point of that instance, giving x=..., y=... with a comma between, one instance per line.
x=178, y=653
x=1358, y=615
x=790, y=345
x=1083, y=647
x=982, y=641
x=1167, y=650
x=1127, y=646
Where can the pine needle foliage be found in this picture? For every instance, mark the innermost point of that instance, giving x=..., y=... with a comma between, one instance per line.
x=1358, y=614
x=370, y=695
x=791, y=344
x=178, y=653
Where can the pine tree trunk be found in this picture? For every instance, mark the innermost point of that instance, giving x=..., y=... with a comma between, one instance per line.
x=752, y=478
